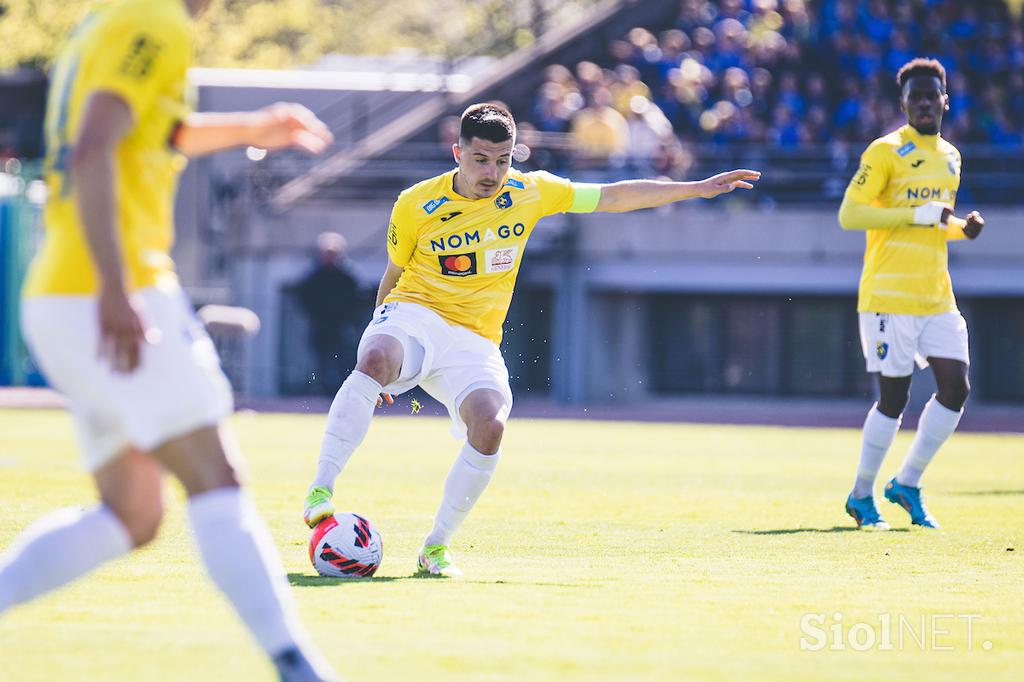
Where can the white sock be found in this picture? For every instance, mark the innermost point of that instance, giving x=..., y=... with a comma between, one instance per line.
x=242, y=560
x=467, y=479
x=936, y=425
x=347, y=423
x=879, y=433
x=58, y=548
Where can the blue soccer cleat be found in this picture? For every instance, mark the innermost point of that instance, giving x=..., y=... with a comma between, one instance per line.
x=909, y=498
x=295, y=666
x=865, y=513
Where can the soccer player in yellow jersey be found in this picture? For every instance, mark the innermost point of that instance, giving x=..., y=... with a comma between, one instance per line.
x=107, y=321
x=455, y=243
x=903, y=196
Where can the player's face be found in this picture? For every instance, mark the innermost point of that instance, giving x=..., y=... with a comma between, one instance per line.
x=483, y=166
x=924, y=102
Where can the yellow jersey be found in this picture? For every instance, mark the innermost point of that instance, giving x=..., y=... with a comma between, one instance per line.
x=140, y=51
x=905, y=266
x=460, y=257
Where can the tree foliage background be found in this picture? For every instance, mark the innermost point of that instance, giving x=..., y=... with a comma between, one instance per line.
x=288, y=33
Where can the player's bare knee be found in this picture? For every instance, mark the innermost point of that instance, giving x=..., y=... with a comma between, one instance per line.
x=140, y=515
x=954, y=395
x=215, y=474
x=485, y=434
x=380, y=363
x=892, y=406
x=201, y=460
x=144, y=531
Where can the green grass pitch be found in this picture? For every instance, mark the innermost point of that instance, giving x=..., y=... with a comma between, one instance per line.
x=601, y=551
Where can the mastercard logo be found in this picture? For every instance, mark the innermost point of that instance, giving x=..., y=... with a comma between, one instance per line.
x=458, y=264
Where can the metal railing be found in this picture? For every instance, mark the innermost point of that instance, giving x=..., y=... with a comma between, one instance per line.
x=806, y=175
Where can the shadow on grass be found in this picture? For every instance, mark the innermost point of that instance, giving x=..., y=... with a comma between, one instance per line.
x=307, y=580
x=791, y=531
x=986, y=492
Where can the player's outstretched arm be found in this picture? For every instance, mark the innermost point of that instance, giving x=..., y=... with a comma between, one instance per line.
x=280, y=126
x=630, y=195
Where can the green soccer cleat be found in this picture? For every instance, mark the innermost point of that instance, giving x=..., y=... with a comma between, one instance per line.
x=318, y=506
x=437, y=560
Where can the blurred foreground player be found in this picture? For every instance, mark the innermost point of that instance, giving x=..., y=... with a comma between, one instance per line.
x=108, y=323
x=455, y=244
x=903, y=196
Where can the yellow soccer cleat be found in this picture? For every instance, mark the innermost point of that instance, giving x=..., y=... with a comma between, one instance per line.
x=318, y=506
x=437, y=560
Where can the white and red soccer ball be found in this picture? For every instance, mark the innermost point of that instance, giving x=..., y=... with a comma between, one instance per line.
x=346, y=545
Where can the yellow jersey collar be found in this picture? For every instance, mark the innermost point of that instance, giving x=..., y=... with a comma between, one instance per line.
x=919, y=139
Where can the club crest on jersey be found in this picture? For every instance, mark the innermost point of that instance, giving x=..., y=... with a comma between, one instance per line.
x=500, y=260
x=458, y=264
x=906, y=149
x=882, y=348
x=504, y=200
x=512, y=182
x=434, y=204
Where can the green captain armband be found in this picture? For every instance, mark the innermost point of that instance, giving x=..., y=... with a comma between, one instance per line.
x=587, y=196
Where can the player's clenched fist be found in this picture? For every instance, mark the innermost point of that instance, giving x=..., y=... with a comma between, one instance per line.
x=974, y=224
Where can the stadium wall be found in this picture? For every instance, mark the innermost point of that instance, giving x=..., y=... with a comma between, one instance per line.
x=691, y=299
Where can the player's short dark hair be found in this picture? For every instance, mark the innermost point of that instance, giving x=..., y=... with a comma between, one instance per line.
x=921, y=67
x=490, y=122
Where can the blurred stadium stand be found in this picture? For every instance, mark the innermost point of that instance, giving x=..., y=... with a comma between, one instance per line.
x=753, y=294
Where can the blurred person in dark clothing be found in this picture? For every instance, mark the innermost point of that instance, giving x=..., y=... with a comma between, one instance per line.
x=331, y=297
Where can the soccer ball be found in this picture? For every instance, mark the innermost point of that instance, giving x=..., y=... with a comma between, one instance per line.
x=346, y=545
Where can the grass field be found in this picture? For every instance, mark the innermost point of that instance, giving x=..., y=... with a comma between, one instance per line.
x=601, y=551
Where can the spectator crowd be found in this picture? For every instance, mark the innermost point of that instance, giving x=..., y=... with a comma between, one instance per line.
x=791, y=73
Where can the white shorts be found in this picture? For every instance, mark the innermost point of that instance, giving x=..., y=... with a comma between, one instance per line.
x=177, y=388
x=455, y=362
x=893, y=342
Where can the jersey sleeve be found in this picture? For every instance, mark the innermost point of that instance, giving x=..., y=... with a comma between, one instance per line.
x=140, y=57
x=556, y=193
x=955, y=229
x=401, y=233
x=873, y=174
